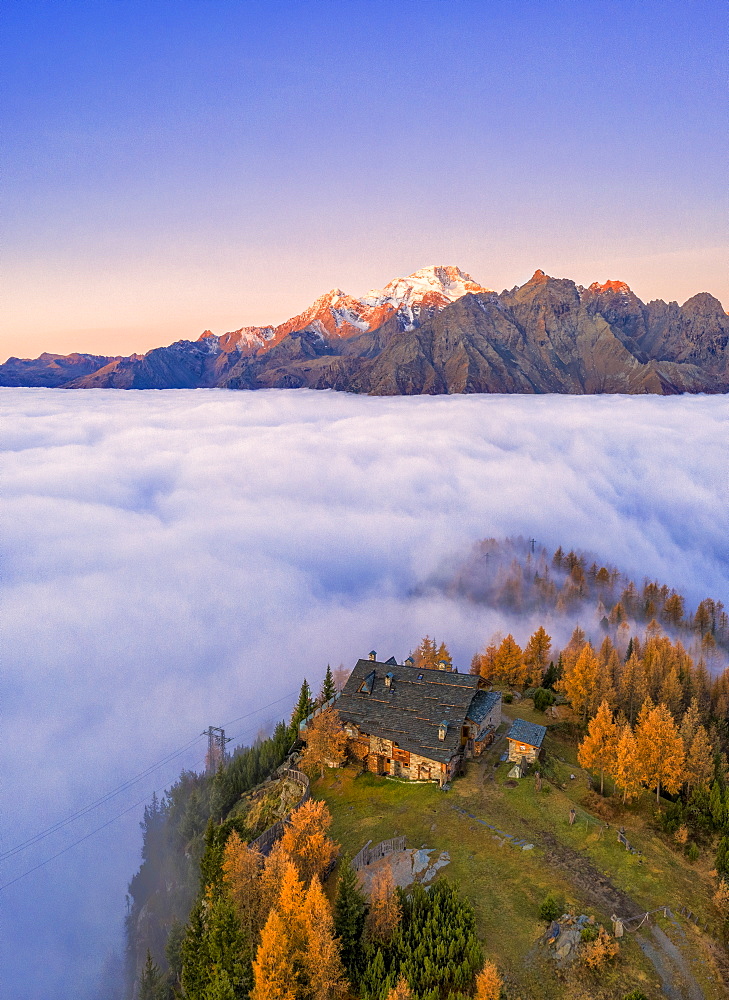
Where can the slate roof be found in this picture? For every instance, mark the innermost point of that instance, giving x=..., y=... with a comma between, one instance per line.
x=411, y=710
x=527, y=732
x=482, y=704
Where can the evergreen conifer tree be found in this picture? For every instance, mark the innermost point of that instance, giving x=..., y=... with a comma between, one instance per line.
x=349, y=917
x=304, y=707
x=228, y=949
x=194, y=953
x=716, y=804
x=151, y=981
x=328, y=689
x=722, y=859
x=211, y=863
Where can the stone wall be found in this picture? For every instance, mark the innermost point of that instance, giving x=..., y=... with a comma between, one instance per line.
x=381, y=756
x=518, y=750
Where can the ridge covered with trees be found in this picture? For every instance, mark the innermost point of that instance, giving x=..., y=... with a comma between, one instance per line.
x=519, y=576
x=211, y=919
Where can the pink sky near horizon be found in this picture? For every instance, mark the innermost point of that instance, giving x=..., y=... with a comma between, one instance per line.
x=139, y=308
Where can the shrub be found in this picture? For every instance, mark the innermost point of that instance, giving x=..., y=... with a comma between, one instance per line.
x=721, y=899
x=681, y=835
x=692, y=853
x=635, y=995
x=508, y=698
x=543, y=699
x=588, y=933
x=552, y=906
x=601, y=950
x=671, y=819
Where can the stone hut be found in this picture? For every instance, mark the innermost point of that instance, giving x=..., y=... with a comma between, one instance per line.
x=525, y=741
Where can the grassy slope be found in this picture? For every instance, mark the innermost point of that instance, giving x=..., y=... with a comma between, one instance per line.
x=505, y=883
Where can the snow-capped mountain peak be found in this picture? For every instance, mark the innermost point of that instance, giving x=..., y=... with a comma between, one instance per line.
x=340, y=316
x=435, y=285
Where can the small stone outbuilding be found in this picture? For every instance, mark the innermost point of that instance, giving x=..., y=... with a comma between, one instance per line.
x=525, y=741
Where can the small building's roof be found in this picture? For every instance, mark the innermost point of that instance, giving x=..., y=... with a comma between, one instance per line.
x=527, y=732
x=483, y=702
x=411, y=710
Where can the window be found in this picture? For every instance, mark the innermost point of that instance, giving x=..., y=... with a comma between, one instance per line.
x=420, y=677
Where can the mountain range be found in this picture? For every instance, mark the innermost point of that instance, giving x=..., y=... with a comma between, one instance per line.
x=436, y=331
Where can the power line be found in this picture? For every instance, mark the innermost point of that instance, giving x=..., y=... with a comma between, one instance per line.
x=80, y=840
x=60, y=824
x=36, y=838
x=282, y=698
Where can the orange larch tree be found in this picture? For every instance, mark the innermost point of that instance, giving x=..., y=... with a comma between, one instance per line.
x=443, y=656
x=487, y=662
x=271, y=878
x=626, y=770
x=488, y=983
x=699, y=768
x=326, y=743
x=306, y=841
x=671, y=692
x=633, y=687
x=660, y=750
x=599, y=747
x=242, y=876
x=426, y=655
x=580, y=682
x=274, y=967
x=322, y=962
x=536, y=656
x=385, y=912
x=401, y=991
x=509, y=662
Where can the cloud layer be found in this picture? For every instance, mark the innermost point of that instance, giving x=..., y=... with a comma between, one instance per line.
x=179, y=559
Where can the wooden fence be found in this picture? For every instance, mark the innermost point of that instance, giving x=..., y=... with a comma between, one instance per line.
x=369, y=854
x=621, y=924
x=274, y=833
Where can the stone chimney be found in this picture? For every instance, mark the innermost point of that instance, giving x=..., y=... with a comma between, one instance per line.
x=373, y=654
x=442, y=730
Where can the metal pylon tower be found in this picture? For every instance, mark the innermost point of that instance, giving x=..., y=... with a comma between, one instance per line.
x=216, y=748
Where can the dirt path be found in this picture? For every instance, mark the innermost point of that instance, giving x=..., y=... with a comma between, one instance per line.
x=677, y=980
x=589, y=879
x=676, y=977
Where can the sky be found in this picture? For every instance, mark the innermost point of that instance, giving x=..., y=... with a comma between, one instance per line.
x=170, y=167
x=179, y=559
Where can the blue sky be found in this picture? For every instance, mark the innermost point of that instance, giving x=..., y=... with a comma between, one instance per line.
x=175, y=166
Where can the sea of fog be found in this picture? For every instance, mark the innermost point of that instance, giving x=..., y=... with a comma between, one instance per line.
x=172, y=560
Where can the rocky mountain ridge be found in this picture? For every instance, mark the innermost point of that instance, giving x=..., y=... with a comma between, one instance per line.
x=438, y=331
